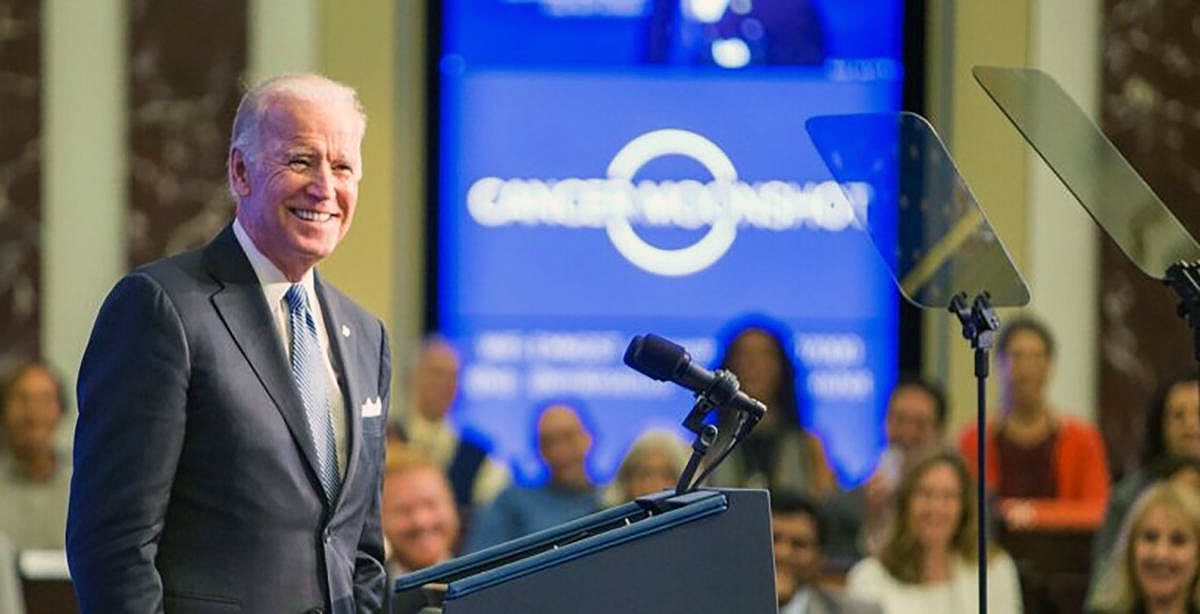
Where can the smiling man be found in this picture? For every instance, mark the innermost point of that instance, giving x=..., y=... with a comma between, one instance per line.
x=231, y=402
x=420, y=519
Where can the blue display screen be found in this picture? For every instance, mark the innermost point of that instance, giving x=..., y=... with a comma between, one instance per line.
x=614, y=167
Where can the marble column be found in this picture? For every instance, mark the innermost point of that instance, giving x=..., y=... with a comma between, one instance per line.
x=20, y=177
x=187, y=61
x=1150, y=108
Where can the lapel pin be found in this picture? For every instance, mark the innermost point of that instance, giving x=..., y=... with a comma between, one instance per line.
x=345, y=331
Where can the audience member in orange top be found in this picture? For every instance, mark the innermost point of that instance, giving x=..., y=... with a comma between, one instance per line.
x=1030, y=436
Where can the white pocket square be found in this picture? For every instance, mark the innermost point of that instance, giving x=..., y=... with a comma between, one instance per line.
x=372, y=408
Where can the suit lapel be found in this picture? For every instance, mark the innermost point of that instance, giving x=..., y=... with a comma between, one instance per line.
x=344, y=360
x=243, y=308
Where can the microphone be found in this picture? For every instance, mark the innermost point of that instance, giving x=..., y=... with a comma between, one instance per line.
x=666, y=361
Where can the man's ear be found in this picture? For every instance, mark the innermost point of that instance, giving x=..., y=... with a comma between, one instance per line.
x=239, y=172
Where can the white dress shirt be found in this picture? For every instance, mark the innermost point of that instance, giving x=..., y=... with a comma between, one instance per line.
x=869, y=580
x=275, y=285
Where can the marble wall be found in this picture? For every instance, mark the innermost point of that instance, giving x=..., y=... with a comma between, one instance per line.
x=20, y=178
x=1150, y=108
x=187, y=63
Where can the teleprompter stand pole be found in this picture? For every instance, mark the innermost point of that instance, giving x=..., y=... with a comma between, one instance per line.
x=979, y=325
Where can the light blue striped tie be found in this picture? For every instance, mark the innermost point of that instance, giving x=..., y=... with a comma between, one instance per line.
x=308, y=372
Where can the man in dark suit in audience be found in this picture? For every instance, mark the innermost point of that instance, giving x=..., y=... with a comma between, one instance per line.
x=798, y=533
x=231, y=402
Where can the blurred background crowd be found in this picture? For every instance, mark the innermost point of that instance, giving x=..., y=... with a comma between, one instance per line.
x=904, y=540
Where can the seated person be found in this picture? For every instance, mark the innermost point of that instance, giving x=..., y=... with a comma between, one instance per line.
x=779, y=454
x=563, y=444
x=420, y=520
x=915, y=424
x=652, y=464
x=929, y=563
x=474, y=477
x=34, y=477
x=1172, y=432
x=1152, y=569
x=1030, y=436
x=1182, y=471
x=797, y=527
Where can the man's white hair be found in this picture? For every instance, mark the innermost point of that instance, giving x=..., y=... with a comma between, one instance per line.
x=255, y=104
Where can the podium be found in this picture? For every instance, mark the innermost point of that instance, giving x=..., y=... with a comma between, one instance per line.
x=704, y=551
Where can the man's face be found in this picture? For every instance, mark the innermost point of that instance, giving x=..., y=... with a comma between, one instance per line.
x=297, y=199
x=797, y=552
x=419, y=517
x=32, y=412
x=564, y=445
x=436, y=381
x=1025, y=367
x=911, y=419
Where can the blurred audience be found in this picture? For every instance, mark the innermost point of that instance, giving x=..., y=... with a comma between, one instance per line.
x=474, y=478
x=928, y=564
x=1030, y=436
x=779, y=453
x=420, y=519
x=653, y=463
x=1172, y=431
x=915, y=425
x=563, y=443
x=1152, y=569
x=798, y=533
x=34, y=477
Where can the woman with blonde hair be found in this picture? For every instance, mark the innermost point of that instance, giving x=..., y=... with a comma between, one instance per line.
x=1153, y=567
x=928, y=564
x=652, y=464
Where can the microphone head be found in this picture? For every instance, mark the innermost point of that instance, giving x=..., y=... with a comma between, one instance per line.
x=656, y=357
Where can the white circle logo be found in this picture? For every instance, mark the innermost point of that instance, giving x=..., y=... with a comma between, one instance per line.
x=686, y=260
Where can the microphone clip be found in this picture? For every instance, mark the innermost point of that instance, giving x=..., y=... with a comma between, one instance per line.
x=721, y=391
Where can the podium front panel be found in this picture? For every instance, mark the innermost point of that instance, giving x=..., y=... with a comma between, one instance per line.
x=716, y=562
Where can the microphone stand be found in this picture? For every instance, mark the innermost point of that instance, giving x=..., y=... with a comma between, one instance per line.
x=705, y=436
x=725, y=385
x=979, y=325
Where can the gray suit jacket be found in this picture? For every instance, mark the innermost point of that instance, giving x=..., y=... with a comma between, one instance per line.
x=195, y=487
